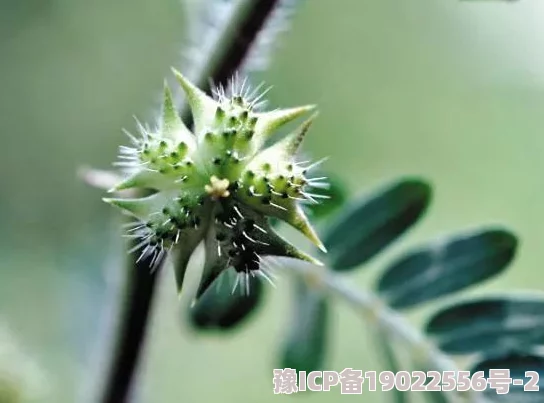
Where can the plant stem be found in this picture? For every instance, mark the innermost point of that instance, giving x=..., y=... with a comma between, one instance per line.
x=242, y=38
x=391, y=322
x=136, y=305
x=225, y=57
x=230, y=51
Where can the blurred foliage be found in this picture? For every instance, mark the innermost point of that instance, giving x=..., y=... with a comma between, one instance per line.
x=446, y=266
x=222, y=308
x=520, y=365
x=368, y=226
x=489, y=325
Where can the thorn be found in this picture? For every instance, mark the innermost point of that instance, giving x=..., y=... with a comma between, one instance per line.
x=247, y=284
x=238, y=212
x=277, y=206
x=317, y=163
x=262, y=273
x=235, y=284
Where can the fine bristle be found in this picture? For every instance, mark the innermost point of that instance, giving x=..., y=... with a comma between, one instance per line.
x=277, y=24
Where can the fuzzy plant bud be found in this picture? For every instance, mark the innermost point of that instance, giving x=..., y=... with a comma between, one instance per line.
x=218, y=183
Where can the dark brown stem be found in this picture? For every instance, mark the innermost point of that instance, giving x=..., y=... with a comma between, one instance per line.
x=136, y=305
x=243, y=38
x=234, y=54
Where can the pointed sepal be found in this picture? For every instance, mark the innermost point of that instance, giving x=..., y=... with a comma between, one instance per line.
x=203, y=107
x=184, y=250
x=144, y=179
x=278, y=246
x=99, y=178
x=172, y=126
x=141, y=208
x=284, y=150
x=298, y=219
x=290, y=212
x=268, y=122
x=267, y=242
x=292, y=142
x=214, y=262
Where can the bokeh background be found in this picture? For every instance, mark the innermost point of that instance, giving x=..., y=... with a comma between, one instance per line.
x=449, y=90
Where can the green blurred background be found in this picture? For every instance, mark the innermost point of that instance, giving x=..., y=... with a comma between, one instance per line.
x=450, y=90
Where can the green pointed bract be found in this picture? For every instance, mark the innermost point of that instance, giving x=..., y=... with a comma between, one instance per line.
x=218, y=185
x=214, y=263
x=278, y=246
x=292, y=142
x=291, y=213
x=172, y=126
x=253, y=231
x=269, y=122
x=298, y=219
x=202, y=106
x=141, y=208
x=282, y=153
x=187, y=243
x=145, y=180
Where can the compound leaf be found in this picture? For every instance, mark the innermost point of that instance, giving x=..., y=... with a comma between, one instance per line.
x=442, y=268
x=371, y=224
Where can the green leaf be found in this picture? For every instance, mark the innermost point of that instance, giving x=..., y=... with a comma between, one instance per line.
x=518, y=363
x=305, y=344
x=337, y=197
x=220, y=308
x=374, y=222
x=489, y=324
x=444, y=267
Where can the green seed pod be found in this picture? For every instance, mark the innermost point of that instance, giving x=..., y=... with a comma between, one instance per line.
x=218, y=184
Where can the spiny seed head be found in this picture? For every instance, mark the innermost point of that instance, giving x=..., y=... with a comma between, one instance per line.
x=217, y=183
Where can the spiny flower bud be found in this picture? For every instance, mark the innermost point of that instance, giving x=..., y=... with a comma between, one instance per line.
x=218, y=183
